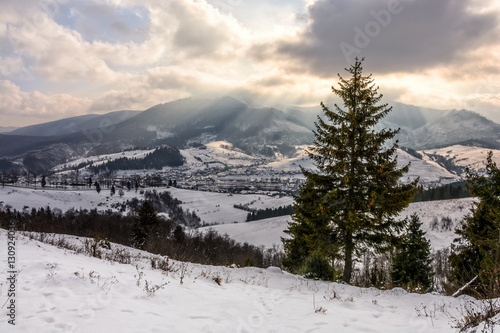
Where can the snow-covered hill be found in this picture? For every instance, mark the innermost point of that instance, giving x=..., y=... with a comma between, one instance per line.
x=461, y=157
x=268, y=232
x=211, y=207
x=58, y=290
x=452, y=127
x=430, y=172
x=220, y=160
x=26, y=198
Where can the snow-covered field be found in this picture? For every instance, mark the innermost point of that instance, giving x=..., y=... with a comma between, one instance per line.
x=213, y=207
x=455, y=209
x=58, y=290
x=268, y=232
x=20, y=198
x=218, y=208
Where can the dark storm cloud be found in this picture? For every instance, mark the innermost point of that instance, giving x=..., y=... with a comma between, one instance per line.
x=394, y=36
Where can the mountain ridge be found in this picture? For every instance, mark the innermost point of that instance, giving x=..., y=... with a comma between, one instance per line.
x=254, y=129
x=74, y=124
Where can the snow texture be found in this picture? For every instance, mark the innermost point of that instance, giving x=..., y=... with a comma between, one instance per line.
x=58, y=290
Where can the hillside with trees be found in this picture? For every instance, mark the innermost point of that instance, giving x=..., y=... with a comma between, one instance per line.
x=165, y=156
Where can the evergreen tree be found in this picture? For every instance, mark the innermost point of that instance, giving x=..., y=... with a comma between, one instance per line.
x=97, y=187
x=356, y=194
x=477, y=249
x=146, y=223
x=179, y=234
x=310, y=230
x=412, y=264
x=43, y=182
x=113, y=190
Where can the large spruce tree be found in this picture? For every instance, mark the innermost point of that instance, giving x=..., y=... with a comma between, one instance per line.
x=351, y=203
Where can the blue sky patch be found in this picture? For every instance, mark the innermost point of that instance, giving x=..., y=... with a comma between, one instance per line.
x=106, y=23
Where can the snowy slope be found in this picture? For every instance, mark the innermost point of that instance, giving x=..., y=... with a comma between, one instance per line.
x=456, y=209
x=219, y=154
x=464, y=156
x=428, y=170
x=60, y=291
x=293, y=164
x=20, y=198
x=216, y=154
x=268, y=232
x=213, y=207
x=101, y=159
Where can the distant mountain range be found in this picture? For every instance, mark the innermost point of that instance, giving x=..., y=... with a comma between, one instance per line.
x=255, y=130
x=74, y=124
x=427, y=129
x=7, y=129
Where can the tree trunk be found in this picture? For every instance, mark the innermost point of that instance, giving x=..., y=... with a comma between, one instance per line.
x=348, y=259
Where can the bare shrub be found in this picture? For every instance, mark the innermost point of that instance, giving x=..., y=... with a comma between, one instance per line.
x=472, y=314
x=151, y=288
x=120, y=255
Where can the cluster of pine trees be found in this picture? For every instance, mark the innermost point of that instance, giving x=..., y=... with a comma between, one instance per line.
x=449, y=191
x=159, y=158
x=164, y=202
x=475, y=253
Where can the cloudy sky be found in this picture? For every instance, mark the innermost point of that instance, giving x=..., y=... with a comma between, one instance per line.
x=60, y=58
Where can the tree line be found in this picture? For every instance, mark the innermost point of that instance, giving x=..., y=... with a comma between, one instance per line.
x=455, y=190
x=143, y=229
x=260, y=214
